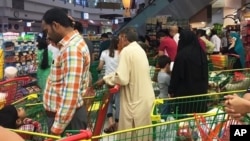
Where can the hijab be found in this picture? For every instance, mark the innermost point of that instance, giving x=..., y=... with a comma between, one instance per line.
x=239, y=48
x=189, y=45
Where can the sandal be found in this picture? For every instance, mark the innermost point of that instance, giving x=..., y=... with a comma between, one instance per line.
x=110, y=129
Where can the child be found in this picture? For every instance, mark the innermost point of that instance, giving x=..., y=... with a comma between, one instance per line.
x=11, y=117
x=163, y=80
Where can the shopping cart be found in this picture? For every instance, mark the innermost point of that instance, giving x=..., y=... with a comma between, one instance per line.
x=172, y=109
x=94, y=71
x=83, y=135
x=98, y=110
x=96, y=106
x=176, y=130
x=11, y=86
x=229, y=80
x=182, y=107
x=202, y=126
x=152, y=62
x=35, y=113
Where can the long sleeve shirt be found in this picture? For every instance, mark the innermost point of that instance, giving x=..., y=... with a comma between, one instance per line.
x=67, y=80
x=209, y=45
x=217, y=42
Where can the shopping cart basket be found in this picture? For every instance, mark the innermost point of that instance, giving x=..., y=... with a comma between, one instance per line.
x=182, y=107
x=11, y=87
x=35, y=113
x=219, y=131
x=152, y=61
x=83, y=135
x=98, y=110
x=34, y=110
x=229, y=80
x=176, y=130
x=94, y=71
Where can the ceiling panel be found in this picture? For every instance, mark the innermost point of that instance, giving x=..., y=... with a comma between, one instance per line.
x=218, y=4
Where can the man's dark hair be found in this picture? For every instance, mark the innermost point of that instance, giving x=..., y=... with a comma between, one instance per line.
x=201, y=32
x=142, y=38
x=57, y=15
x=113, y=46
x=163, y=61
x=78, y=26
x=130, y=33
x=213, y=32
x=104, y=35
x=147, y=38
x=162, y=33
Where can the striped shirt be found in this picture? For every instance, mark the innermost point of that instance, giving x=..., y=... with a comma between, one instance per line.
x=67, y=80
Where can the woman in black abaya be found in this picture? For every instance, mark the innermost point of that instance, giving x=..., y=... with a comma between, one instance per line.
x=190, y=74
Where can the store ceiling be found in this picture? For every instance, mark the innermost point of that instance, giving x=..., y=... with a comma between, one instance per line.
x=227, y=3
x=218, y=4
x=184, y=9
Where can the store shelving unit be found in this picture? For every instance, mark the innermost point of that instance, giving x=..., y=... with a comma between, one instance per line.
x=22, y=55
x=20, y=52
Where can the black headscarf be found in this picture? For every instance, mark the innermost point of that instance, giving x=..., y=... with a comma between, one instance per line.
x=190, y=71
x=189, y=44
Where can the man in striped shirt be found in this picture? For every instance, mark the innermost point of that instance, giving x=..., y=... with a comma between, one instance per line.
x=68, y=78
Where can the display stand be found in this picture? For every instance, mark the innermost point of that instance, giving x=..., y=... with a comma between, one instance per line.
x=20, y=52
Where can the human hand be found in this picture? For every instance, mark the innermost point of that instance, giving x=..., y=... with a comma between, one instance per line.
x=169, y=95
x=99, y=83
x=49, y=139
x=235, y=106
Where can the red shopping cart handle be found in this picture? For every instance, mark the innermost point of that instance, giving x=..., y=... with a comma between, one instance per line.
x=115, y=89
x=24, y=78
x=84, y=134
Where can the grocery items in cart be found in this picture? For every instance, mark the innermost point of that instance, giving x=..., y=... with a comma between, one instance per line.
x=228, y=80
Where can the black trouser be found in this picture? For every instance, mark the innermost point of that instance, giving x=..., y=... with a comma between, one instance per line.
x=78, y=122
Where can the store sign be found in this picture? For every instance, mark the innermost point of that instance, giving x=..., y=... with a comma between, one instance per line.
x=84, y=15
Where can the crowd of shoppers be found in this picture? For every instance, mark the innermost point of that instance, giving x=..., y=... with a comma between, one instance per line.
x=125, y=62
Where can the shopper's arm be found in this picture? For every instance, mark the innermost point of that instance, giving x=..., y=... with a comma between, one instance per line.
x=232, y=43
x=101, y=62
x=236, y=106
x=162, y=48
x=123, y=70
x=7, y=135
x=73, y=65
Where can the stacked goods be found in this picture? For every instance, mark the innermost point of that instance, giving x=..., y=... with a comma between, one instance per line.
x=1, y=64
x=219, y=61
x=239, y=81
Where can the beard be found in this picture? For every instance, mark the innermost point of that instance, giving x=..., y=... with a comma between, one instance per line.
x=55, y=36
